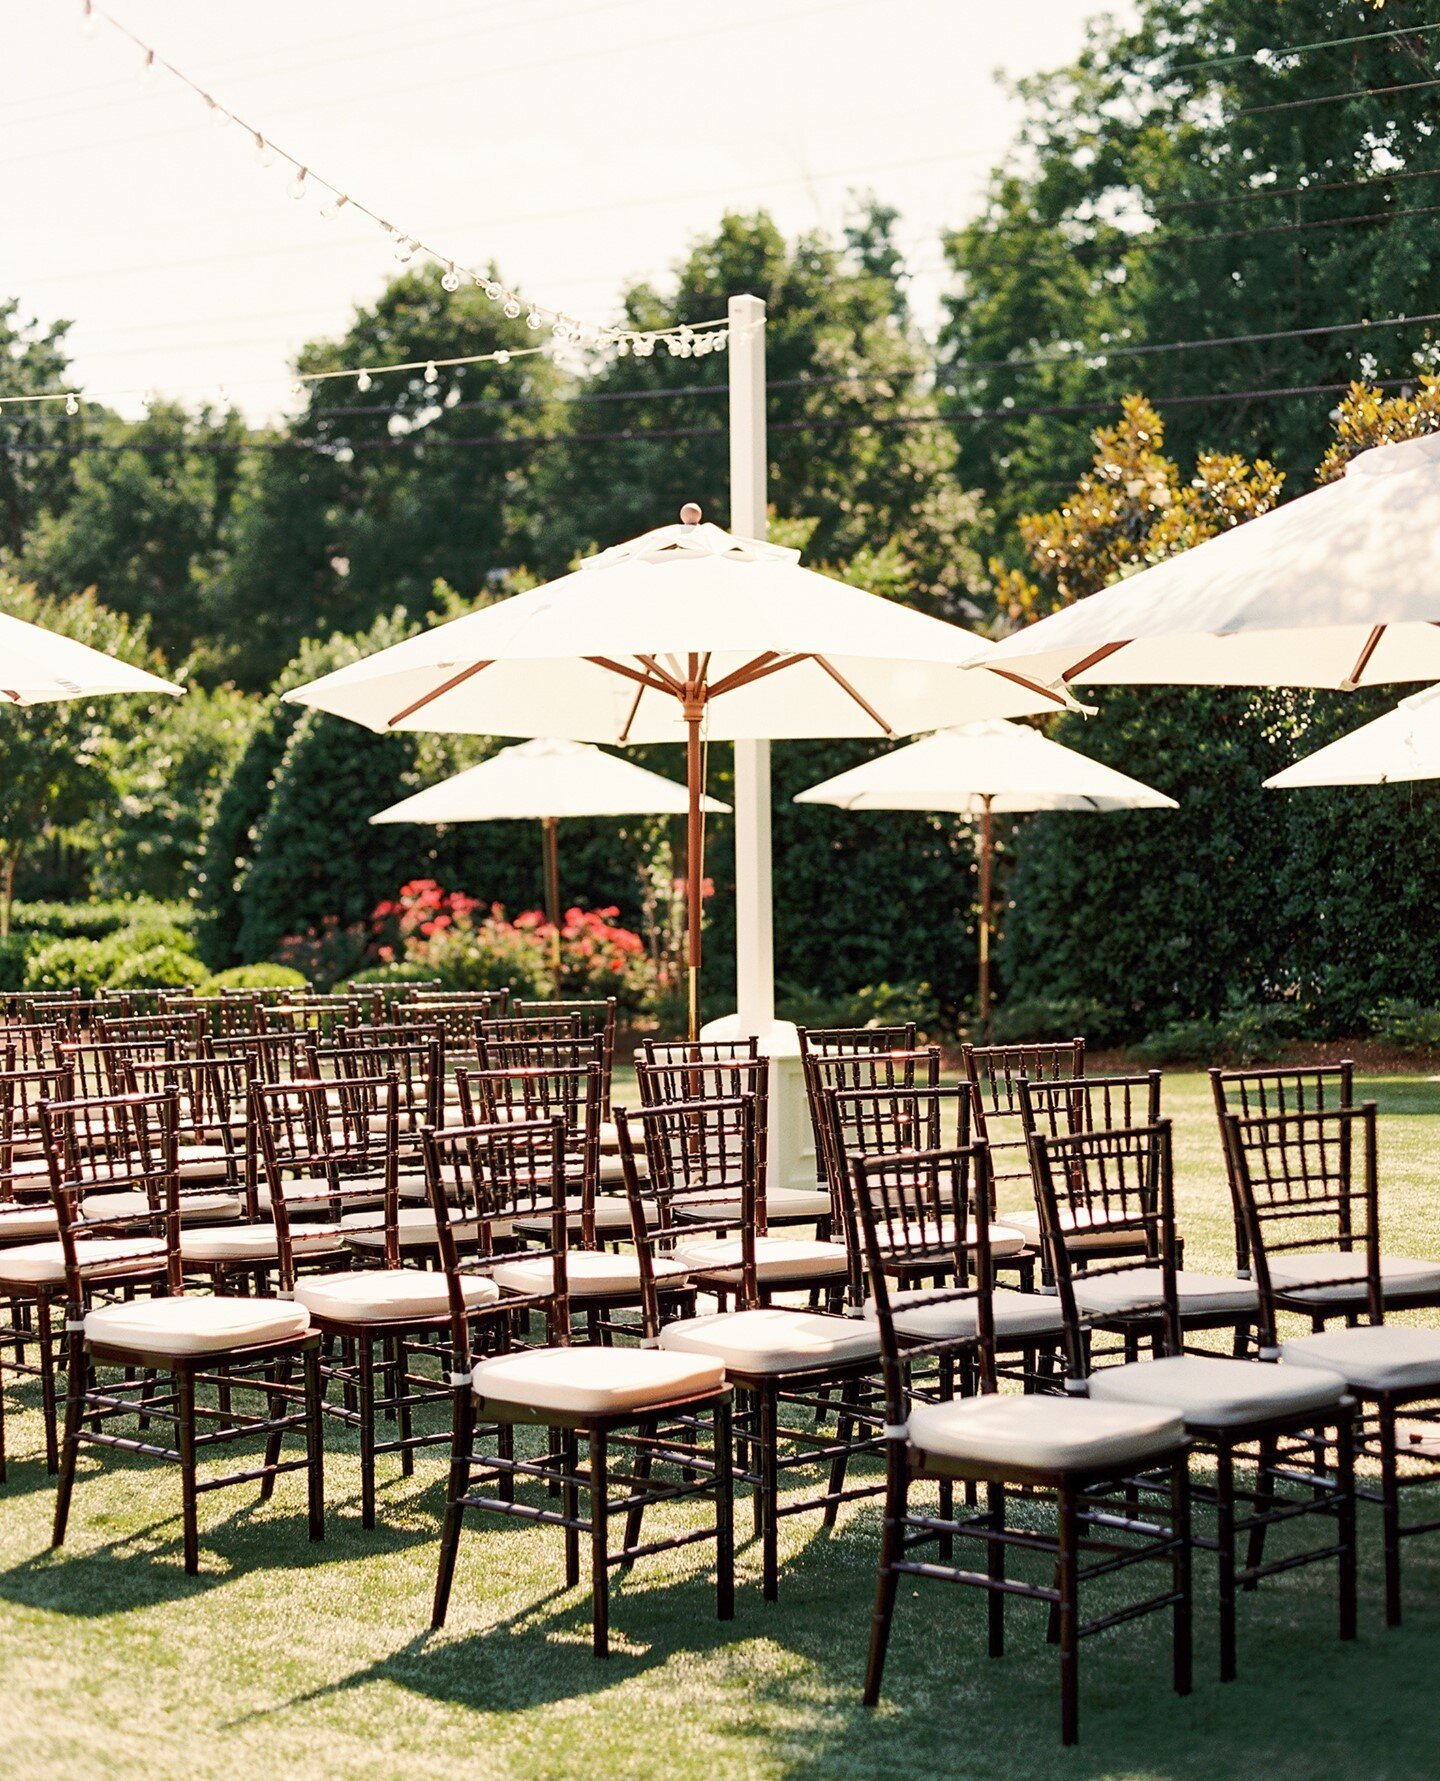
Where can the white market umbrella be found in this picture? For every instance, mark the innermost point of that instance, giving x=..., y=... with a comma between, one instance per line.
x=1404, y=744
x=684, y=634
x=38, y=667
x=1340, y=588
x=549, y=779
x=979, y=771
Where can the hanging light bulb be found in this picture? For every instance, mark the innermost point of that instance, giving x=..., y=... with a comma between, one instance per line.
x=218, y=114
x=721, y=339
x=297, y=185
x=450, y=278
x=431, y=374
x=333, y=205
x=72, y=403
x=502, y=357
x=264, y=154
x=622, y=347
x=512, y=308
x=363, y=381
x=534, y=319
x=298, y=390
x=493, y=290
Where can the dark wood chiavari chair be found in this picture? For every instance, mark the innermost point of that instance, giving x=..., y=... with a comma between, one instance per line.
x=318, y=1016
x=595, y=1015
x=31, y=1257
x=224, y=1015
x=69, y=1012
x=36, y=1044
x=1302, y=1187
x=125, y=1146
x=840, y=1042
x=1281, y=1420
x=1124, y=1301
x=852, y=1068
x=181, y=1030
x=273, y=1057
x=323, y=1150
x=414, y=1056
x=785, y=1362
x=457, y=1014
x=1084, y=1456
x=1314, y=1283
x=891, y=1121
x=669, y=1412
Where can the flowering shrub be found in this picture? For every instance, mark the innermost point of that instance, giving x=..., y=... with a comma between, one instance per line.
x=325, y=955
x=468, y=944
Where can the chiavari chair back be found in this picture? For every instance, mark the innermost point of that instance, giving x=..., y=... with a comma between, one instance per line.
x=818, y=1043
x=181, y=1029
x=852, y=1069
x=318, y=1016
x=457, y=1014
x=100, y=1068
x=115, y=1181
x=567, y=1086
x=595, y=1015
x=282, y=1056
x=25, y=1209
x=36, y=1044
x=696, y=1077
x=211, y=1100
x=994, y=1073
x=225, y=1015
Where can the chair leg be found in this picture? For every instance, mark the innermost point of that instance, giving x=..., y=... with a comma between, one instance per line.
x=769, y=1494
x=644, y=1459
x=844, y=1434
x=405, y=1413
x=897, y=1489
x=279, y=1374
x=600, y=1542
x=77, y=1372
x=1390, y=1510
x=995, y=1565
x=45, y=1358
x=1068, y=1584
x=185, y=1428
x=724, y=1513
x=365, y=1356
x=1225, y=1540
x=1265, y=1495
x=1345, y=1520
x=1182, y=1616
x=454, y=1507
x=569, y=1461
x=314, y=1444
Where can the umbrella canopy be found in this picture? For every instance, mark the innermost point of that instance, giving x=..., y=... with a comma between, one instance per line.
x=546, y=778
x=977, y=771
x=38, y=666
x=684, y=633
x=1404, y=744
x=1003, y=767
x=1340, y=588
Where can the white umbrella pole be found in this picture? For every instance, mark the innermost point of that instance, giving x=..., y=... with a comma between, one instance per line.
x=754, y=917
x=987, y=842
x=550, y=830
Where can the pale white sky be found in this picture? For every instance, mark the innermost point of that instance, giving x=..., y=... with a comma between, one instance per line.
x=578, y=142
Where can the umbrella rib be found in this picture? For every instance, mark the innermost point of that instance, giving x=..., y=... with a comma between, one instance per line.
x=437, y=692
x=658, y=678
x=1362, y=661
x=771, y=662
x=845, y=686
x=1031, y=686
x=1095, y=655
x=630, y=715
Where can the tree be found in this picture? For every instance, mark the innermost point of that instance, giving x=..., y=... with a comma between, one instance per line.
x=148, y=521
x=165, y=785
x=39, y=454
x=60, y=756
x=372, y=494
x=1188, y=180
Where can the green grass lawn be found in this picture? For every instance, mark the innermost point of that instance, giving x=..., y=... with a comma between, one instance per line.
x=283, y=1658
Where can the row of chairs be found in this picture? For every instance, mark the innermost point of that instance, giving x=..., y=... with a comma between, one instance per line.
x=513, y=1226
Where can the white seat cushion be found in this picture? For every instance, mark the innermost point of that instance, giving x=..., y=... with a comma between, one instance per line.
x=612, y=1217
x=776, y=1258
x=186, y=1326
x=1004, y=1238
x=19, y=1222
x=1038, y=1433
x=134, y=1203
x=612, y=1172
x=792, y=1204
x=1315, y=1276
x=1139, y=1289
x=204, y=1162
x=43, y=1264
x=593, y=1381
x=591, y=1274
x=415, y=1224
x=1376, y=1357
x=1212, y=1392
x=1083, y=1230
x=1019, y=1316
x=256, y=1242
x=385, y=1295
x=774, y=1339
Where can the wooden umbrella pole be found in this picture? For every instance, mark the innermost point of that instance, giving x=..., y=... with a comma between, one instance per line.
x=694, y=846
x=550, y=830
x=986, y=845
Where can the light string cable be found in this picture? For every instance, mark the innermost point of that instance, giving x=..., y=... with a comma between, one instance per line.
x=682, y=339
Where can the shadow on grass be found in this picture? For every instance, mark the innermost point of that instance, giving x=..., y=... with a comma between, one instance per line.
x=1400, y=1096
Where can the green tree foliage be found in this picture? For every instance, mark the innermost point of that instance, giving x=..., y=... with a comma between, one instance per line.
x=148, y=520
x=1177, y=184
x=166, y=787
x=371, y=495
x=39, y=456
x=60, y=756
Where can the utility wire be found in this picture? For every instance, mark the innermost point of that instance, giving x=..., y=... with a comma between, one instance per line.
x=1299, y=49
x=1410, y=86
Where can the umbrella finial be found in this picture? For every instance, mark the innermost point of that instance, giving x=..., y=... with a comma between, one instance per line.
x=690, y=514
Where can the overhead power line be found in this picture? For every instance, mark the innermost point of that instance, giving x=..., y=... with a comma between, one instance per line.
x=1409, y=86
x=1299, y=49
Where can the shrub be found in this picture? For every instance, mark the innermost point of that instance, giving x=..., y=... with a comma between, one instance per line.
x=878, y=1004
x=1034, y=1020
x=15, y=951
x=396, y=972
x=1243, y=1033
x=1409, y=1025
x=63, y=965
x=95, y=921
x=159, y=967
x=258, y=977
